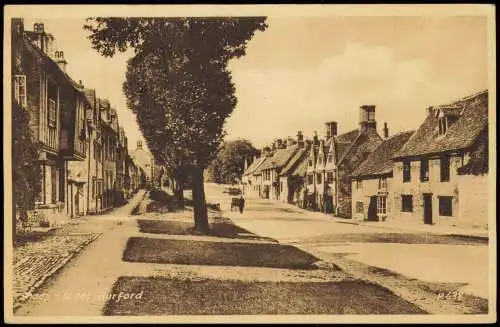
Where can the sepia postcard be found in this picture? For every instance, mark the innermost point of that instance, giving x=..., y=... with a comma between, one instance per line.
x=250, y=163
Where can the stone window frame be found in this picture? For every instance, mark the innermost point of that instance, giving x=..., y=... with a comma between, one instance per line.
x=445, y=209
x=360, y=207
x=20, y=90
x=406, y=171
x=447, y=167
x=424, y=170
x=382, y=204
x=409, y=204
x=319, y=179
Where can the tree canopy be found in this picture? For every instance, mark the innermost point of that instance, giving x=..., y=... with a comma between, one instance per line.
x=179, y=86
x=228, y=166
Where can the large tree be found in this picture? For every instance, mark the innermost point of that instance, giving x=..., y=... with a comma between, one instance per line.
x=179, y=86
x=227, y=168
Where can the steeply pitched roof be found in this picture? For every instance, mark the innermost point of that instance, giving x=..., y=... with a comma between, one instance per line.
x=380, y=161
x=294, y=161
x=280, y=158
x=258, y=169
x=54, y=67
x=344, y=141
x=461, y=134
x=253, y=166
x=301, y=168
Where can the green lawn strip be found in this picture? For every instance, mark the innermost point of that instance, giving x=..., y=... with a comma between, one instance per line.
x=163, y=296
x=141, y=249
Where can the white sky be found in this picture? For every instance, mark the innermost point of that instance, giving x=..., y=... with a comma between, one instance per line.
x=302, y=72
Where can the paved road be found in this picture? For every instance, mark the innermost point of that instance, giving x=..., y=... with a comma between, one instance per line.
x=416, y=255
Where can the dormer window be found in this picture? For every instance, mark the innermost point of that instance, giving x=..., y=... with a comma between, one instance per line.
x=310, y=163
x=447, y=116
x=320, y=161
x=330, y=158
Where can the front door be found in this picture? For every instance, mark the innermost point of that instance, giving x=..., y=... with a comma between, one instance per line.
x=427, y=209
x=372, y=208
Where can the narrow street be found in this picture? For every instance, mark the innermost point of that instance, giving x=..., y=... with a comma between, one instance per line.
x=269, y=252
x=403, y=252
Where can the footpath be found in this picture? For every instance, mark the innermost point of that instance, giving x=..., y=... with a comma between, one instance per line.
x=35, y=261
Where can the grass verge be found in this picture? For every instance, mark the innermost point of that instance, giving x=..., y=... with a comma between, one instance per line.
x=189, y=252
x=162, y=296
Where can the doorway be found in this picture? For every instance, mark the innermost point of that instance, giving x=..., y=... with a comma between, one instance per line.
x=372, y=209
x=427, y=208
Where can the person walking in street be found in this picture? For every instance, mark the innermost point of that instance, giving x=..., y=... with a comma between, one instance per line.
x=241, y=204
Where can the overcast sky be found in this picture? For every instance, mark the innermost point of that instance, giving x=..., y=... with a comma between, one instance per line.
x=304, y=71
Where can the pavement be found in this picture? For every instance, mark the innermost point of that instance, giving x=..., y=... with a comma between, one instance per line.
x=82, y=285
x=466, y=264
x=36, y=262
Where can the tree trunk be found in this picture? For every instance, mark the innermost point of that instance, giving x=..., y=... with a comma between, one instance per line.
x=199, y=203
x=179, y=192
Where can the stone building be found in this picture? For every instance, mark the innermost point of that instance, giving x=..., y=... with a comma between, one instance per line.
x=440, y=174
x=372, y=191
x=251, y=179
x=273, y=166
x=291, y=181
x=57, y=108
x=332, y=160
x=145, y=161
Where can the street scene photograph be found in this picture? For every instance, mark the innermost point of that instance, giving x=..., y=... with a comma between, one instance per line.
x=299, y=163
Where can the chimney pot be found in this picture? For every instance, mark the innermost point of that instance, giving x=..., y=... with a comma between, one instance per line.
x=386, y=130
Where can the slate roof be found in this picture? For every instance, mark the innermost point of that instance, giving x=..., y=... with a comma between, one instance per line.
x=380, y=161
x=294, y=161
x=472, y=119
x=280, y=158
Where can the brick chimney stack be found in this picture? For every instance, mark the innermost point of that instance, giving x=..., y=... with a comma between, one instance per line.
x=300, y=139
x=331, y=129
x=315, y=139
x=386, y=131
x=367, y=118
x=59, y=59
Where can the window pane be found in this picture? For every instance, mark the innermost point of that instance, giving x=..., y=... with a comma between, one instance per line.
x=445, y=206
x=406, y=203
x=445, y=169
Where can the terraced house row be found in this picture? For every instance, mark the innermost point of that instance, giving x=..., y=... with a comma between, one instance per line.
x=85, y=164
x=437, y=174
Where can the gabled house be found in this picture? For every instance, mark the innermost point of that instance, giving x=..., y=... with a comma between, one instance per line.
x=57, y=107
x=272, y=167
x=332, y=160
x=312, y=179
x=251, y=181
x=440, y=174
x=297, y=179
x=145, y=161
x=292, y=183
x=372, y=191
